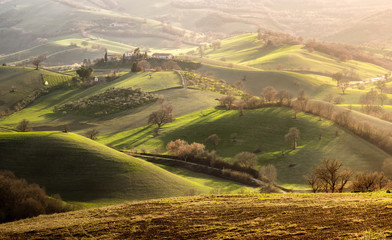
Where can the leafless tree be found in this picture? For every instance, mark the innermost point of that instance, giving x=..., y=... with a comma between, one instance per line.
x=269, y=93
x=246, y=159
x=268, y=173
x=214, y=140
x=239, y=85
x=23, y=126
x=382, y=97
x=240, y=104
x=292, y=136
x=92, y=134
x=330, y=175
x=36, y=61
x=227, y=101
x=302, y=101
x=328, y=97
x=314, y=182
x=337, y=77
x=369, y=181
x=162, y=116
x=284, y=96
x=344, y=84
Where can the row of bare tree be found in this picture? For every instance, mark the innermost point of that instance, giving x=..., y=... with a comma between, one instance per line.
x=329, y=177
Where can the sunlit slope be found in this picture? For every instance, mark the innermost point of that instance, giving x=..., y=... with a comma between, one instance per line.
x=315, y=86
x=17, y=83
x=167, y=85
x=68, y=51
x=247, y=50
x=56, y=24
x=80, y=169
x=265, y=128
x=257, y=216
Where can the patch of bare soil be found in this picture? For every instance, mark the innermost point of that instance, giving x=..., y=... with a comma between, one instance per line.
x=275, y=216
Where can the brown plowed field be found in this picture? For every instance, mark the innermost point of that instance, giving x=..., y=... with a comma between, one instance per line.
x=277, y=216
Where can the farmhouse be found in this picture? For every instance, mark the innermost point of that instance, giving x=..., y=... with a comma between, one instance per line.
x=163, y=55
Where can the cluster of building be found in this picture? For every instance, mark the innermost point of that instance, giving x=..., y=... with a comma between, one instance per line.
x=130, y=54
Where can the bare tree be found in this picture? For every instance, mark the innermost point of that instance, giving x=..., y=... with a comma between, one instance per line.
x=343, y=118
x=345, y=175
x=293, y=136
x=314, y=182
x=328, y=110
x=227, y=101
x=337, y=77
x=36, y=61
x=162, y=116
x=268, y=93
x=92, y=134
x=240, y=104
x=344, y=84
x=302, y=101
x=239, y=85
x=382, y=97
x=329, y=174
x=338, y=100
x=268, y=173
x=214, y=140
x=246, y=159
x=283, y=96
x=328, y=97
x=369, y=181
x=23, y=126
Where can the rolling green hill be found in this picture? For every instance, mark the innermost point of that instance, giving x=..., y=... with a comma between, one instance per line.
x=83, y=170
x=49, y=27
x=20, y=83
x=247, y=50
x=266, y=128
x=166, y=84
x=315, y=86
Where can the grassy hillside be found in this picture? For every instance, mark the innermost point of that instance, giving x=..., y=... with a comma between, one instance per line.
x=266, y=128
x=274, y=216
x=83, y=170
x=315, y=86
x=45, y=27
x=247, y=50
x=42, y=116
x=17, y=83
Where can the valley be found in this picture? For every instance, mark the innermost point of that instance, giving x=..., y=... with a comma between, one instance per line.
x=238, y=119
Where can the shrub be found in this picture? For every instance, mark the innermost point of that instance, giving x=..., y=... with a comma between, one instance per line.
x=184, y=150
x=111, y=101
x=19, y=199
x=369, y=181
x=245, y=159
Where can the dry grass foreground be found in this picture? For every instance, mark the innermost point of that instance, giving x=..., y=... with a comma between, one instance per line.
x=275, y=216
